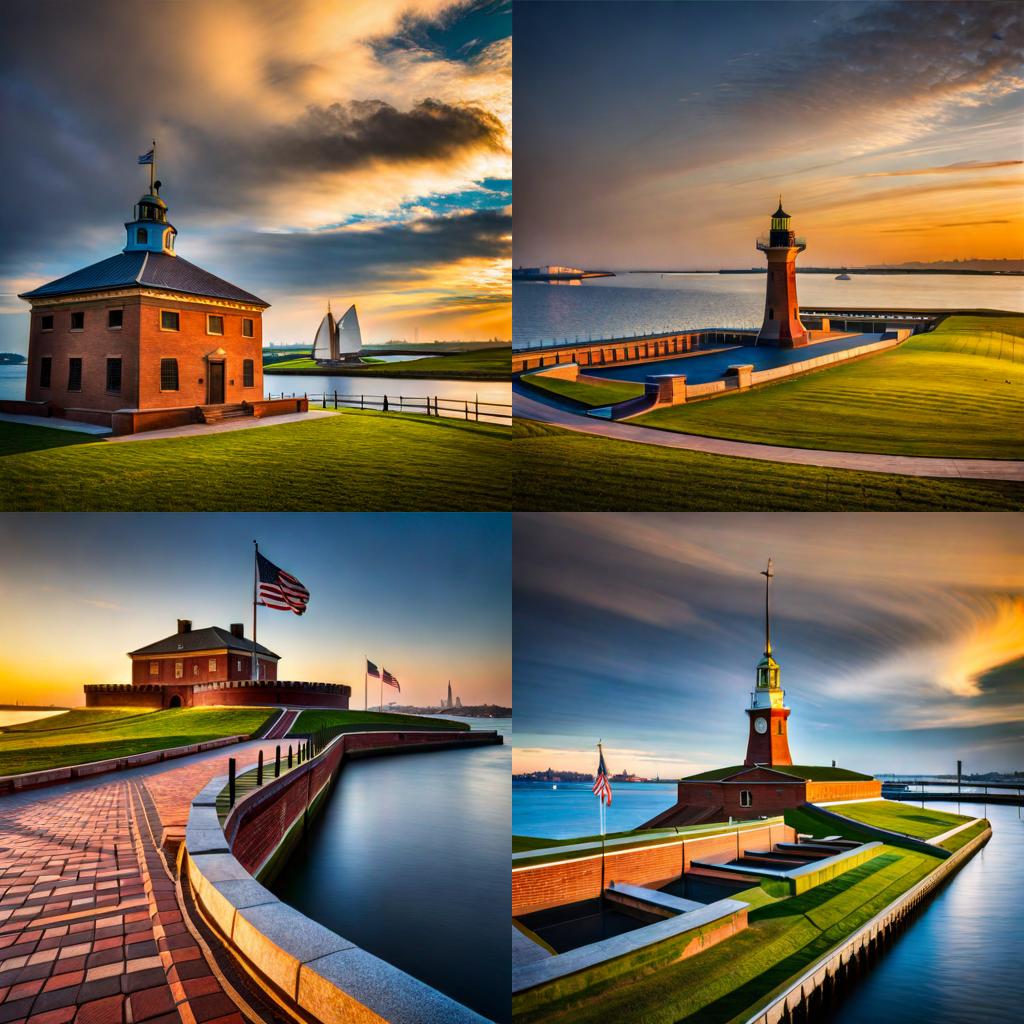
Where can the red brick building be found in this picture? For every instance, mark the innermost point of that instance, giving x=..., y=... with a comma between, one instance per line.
x=767, y=782
x=144, y=339
x=199, y=667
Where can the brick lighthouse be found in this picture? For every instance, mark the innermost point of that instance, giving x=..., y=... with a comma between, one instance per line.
x=768, y=742
x=781, y=326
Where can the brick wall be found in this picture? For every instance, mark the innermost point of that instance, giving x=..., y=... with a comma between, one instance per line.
x=820, y=791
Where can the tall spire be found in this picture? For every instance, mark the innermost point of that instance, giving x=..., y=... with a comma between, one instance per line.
x=767, y=574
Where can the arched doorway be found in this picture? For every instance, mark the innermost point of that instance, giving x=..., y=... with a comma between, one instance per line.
x=175, y=702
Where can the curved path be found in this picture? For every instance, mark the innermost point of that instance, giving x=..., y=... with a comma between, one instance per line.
x=90, y=927
x=527, y=406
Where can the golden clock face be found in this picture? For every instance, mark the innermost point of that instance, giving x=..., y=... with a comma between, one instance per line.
x=760, y=725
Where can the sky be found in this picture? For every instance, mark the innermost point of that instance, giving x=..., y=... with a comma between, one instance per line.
x=900, y=639
x=309, y=150
x=424, y=596
x=662, y=134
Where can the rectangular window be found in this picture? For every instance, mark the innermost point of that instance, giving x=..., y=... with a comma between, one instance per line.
x=247, y=327
x=154, y=668
x=169, y=374
x=115, y=319
x=74, y=375
x=248, y=374
x=169, y=320
x=179, y=669
x=746, y=798
x=114, y=376
x=77, y=321
x=195, y=668
x=214, y=324
x=45, y=370
x=46, y=322
x=238, y=665
x=212, y=666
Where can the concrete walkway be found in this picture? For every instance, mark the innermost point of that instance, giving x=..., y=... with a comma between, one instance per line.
x=90, y=927
x=223, y=427
x=528, y=407
x=54, y=424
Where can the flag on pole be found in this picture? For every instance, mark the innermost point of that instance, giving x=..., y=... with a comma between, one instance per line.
x=279, y=589
x=391, y=680
x=147, y=158
x=372, y=670
x=602, y=787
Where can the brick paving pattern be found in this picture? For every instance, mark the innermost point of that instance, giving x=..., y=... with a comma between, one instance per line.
x=90, y=927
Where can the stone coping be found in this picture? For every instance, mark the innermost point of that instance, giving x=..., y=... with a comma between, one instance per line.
x=655, y=897
x=793, y=873
x=51, y=776
x=937, y=840
x=327, y=976
x=541, y=972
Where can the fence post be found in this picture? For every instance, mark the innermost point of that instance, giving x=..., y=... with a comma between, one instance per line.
x=362, y=399
x=335, y=398
x=231, y=782
x=259, y=770
x=385, y=409
x=478, y=408
x=277, y=763
x=289, y=757
x=467, y=408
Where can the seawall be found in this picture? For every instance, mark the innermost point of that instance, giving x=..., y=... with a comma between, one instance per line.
x=313, y=971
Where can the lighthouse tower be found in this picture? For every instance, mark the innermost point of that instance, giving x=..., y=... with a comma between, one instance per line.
x=781, y=325
x=768, y=742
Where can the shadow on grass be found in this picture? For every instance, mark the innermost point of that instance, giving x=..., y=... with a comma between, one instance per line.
x=17, y=438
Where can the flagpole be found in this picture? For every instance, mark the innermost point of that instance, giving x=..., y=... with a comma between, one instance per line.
x=600, y=758
x=255, y=577
x=366, y=683
x=152, y=168
x=381, y=708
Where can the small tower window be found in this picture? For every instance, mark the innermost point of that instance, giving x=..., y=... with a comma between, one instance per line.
x=141, y=236
x=168, y=374
x=45, y=371
x=746, y=798
x=75, y=374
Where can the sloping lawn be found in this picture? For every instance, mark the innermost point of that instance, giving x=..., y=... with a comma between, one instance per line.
x=953, y=843
x=309, y=721
x=77, y=719
x=560, y=470
x=957, y=392
x=35, y=751
x=349, y=461
x=493, y=363
x=921, y=823
x=584, y=393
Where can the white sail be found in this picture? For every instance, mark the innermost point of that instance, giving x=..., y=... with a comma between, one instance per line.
x=324, y=336
x=350, y=340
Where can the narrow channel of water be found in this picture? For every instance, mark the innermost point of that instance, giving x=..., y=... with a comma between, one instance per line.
x=959, y=961
x=409, y=860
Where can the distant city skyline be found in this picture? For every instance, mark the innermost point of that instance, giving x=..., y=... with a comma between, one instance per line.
x=900, y=639
x=425, y=596
x=309, y=151
x=659, y=135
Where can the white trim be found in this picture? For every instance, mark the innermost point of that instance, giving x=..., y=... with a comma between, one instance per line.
x=860, y=800
x=938, y=840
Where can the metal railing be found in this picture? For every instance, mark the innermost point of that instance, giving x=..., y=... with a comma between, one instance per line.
x=475, y=408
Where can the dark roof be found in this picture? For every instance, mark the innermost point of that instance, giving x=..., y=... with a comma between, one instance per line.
x=780, y=212
x=810, y=772
x=210, y=638
x=152, y=269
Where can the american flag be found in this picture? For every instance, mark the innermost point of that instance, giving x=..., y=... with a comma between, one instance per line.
x=391, y=680
x=279, y=589
x=371, y=670
x=602, y=787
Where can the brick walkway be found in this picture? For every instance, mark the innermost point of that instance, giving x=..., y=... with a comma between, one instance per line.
x=90, y=927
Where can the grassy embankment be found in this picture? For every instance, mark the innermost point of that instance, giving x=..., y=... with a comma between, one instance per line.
x=356, y=721
x=957, y=392
x=587, y=394
x=785, y=936
x=74, y=718
x=350, y=461
x=561, y=470
x=482, y=364
x=118, y=736
x=921, y=823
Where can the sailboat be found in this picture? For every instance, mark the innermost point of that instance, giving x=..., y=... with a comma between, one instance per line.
x=323, y=340
x=350, y=338
x=338, y=340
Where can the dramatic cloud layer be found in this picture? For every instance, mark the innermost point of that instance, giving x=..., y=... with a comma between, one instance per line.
x=900, y=637
x=682, y=122
x=272, y=119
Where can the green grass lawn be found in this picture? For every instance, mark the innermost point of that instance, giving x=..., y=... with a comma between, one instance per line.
x=957, y=391
x=559, y=470
x=309, y=721
x=953, y=843
x=78, y=719
x=35, y=751
x=919, y=822
x=350, y=461
x=483, y=364
x=584, y=393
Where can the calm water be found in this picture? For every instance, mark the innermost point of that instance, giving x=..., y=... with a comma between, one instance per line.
x=571, y=810
x=636, y=303
x=409, y=860
x=12, y=385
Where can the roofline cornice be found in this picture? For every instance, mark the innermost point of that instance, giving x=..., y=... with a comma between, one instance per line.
x=146, y=292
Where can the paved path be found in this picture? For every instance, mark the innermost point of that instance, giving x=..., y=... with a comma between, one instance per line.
x=90, y=927
x=54, y=423
x=525, y=406
x=223, y=427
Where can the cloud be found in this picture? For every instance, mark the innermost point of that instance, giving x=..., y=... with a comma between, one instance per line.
x=957, y=168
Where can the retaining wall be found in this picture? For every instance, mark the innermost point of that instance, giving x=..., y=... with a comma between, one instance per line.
x=316, y=973
x=540, y=886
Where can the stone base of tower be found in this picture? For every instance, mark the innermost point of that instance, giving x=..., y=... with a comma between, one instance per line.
x=775, y=335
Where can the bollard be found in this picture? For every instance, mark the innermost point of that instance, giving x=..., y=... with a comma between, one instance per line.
x=289, y=757
x=277, y=763
x=385, y=409
x=259, y=770
x=231, y=782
